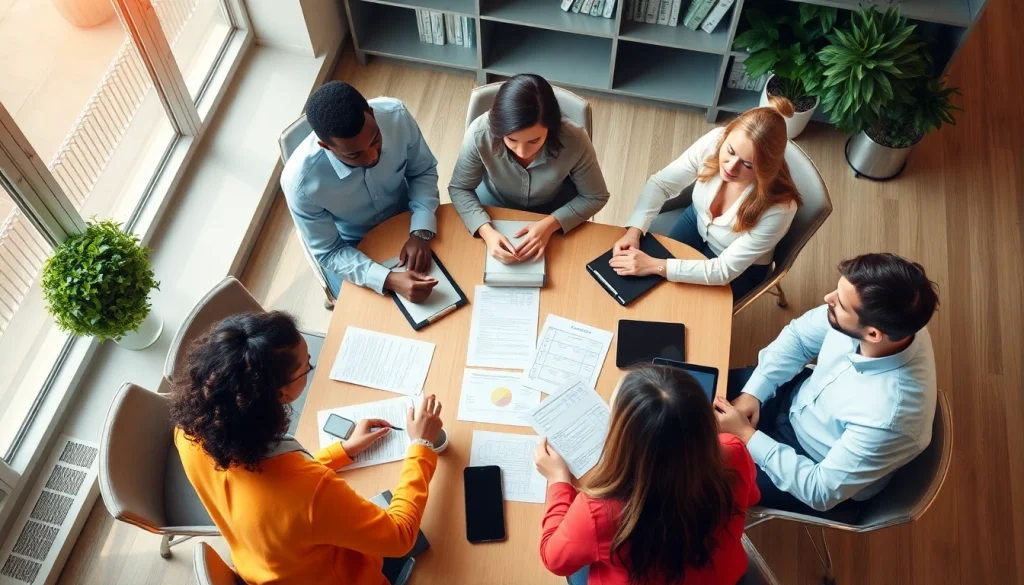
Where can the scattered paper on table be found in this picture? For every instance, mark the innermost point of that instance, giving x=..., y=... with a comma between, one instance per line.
x=575, y=421
x=503, y=332
x=443, y=297
x=382, y=361
x=495, y=397
x=520, y=479
x=566, y=350
x=391, y=447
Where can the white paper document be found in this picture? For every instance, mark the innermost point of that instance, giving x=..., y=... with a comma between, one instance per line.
x=495, y=397
x=504, y=328
x=566, y=350
x=441, y=300
x=520, y=479
x=575, y=421
x=382, y=361
x=391, y=447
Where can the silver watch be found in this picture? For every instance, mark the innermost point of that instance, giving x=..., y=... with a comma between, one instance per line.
x=425, y=235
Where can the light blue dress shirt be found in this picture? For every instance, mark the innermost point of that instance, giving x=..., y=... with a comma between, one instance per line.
x=335, y=205
x=859, y=418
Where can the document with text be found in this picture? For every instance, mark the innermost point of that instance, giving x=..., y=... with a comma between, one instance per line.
x=495, y=397
x=391, y=447
x=566, y=350
x=504, y=327
x=520, y=480
x=575, y=421
x=382, y=361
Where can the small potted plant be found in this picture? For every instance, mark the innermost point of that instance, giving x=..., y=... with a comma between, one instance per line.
x=97, y=283
x=786, y=45
x=881, y=150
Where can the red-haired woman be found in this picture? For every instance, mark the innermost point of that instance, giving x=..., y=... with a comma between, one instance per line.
x=744, y=201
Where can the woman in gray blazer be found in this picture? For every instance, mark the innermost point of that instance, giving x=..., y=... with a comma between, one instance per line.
x=523, y=154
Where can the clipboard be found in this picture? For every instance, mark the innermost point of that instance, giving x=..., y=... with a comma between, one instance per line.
x=445, y=284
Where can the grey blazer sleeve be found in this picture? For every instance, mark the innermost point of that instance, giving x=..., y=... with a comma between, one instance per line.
x=592, y=192
x=466, y=177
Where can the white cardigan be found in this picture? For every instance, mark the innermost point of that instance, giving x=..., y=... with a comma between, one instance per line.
x=736, y=251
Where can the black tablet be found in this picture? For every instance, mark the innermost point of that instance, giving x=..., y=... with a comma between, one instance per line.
x=642, y=341
x=706, y=376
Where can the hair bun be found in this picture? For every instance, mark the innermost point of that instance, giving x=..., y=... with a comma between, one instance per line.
x=782, y=106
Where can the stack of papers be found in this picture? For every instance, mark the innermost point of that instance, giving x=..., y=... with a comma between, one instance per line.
x=522, y=274
x=382, y=361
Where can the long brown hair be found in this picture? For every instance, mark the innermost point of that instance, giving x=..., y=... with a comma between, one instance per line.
x=773, y=183
x=663, y=461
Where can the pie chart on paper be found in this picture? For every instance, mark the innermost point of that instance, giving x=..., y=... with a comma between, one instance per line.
x=501, y=397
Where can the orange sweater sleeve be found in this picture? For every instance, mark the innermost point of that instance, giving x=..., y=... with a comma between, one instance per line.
x=334, y=456
x=341, y=517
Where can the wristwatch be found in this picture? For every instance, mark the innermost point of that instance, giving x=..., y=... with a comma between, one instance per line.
x=425, y=235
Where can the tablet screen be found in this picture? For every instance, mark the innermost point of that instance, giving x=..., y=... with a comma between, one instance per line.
x=642, y=341
x=706, y=376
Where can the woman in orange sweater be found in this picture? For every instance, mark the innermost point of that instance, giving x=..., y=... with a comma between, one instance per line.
x=667, y=500
x=286, y=515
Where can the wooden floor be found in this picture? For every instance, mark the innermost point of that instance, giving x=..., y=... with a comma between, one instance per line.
x=957, y=209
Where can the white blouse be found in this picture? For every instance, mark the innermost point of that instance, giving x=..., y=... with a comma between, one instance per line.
x=736, y=251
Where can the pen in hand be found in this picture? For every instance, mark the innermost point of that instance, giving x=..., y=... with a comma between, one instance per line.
x=392, y=428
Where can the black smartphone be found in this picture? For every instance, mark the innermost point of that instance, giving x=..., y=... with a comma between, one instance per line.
x=339, y=426
x=485, y=511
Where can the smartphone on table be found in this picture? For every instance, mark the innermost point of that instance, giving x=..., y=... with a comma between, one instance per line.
x=339, y=426
x=485, y=510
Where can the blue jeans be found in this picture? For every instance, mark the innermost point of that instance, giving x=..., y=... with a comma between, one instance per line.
x=685, y=231
x=579, y=577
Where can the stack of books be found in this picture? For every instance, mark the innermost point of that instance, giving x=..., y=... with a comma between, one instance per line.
x=601, y=8
x=738, y=78
x=702, y=14
x=442, y=28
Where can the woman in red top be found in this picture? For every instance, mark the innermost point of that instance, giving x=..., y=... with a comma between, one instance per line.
x=666, y=502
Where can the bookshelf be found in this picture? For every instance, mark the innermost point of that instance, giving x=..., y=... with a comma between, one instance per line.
x=616, y=56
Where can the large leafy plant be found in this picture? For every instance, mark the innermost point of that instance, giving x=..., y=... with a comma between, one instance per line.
x=871, y=61
x=787, y=43
x=98, y=282
x=903, y=124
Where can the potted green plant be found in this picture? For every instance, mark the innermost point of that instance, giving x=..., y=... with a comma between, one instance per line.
x=98, y=282
x=881, y=150
x=786, y=45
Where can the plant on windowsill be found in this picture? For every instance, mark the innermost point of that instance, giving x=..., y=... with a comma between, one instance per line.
x=786, y=45
x=97, y=283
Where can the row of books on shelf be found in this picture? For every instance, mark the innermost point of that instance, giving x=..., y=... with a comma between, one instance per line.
x=738, y=78
x=443, y=28
x=702, y=14
x=600, y=8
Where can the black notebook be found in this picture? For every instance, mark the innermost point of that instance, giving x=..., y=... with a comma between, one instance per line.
x=626, y=289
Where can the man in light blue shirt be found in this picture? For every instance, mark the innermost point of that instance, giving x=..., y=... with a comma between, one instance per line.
x=832, y=436
x=363, y=163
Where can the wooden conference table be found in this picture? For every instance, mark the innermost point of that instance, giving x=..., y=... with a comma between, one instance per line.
x=571, y=293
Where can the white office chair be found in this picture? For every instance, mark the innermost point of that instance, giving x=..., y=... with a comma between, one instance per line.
x=573, y=106
x=290, y=139
x=811, y=215
x=211, y=569
x=909, y=494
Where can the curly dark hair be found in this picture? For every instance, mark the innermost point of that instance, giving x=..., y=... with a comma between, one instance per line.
x=228, y=399
x=336, y=110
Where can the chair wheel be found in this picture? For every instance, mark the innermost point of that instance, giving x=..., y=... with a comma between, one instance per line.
x=165, y=555
x=828, y=580
x=784, y=304
x=329, y=304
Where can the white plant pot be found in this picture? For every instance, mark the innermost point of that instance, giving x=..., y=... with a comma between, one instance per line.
x=796, y=124
x=149, y=331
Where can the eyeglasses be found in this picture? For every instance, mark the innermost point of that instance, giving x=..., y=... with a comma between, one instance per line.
x=306, y=373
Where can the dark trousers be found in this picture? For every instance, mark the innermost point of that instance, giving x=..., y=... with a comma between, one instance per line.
x=685, y=231
x=774, y=422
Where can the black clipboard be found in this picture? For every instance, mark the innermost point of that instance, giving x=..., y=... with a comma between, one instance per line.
x=626, y=289
x=462, y=300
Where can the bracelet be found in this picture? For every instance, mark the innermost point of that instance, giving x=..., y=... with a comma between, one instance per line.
x=423, y=442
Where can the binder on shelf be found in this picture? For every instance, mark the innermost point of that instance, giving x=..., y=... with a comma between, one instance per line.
x=664, y=11
x=588, y=5
x=715, y=16
x=428, y=31
x=627, y=9
x=567, y=5
x=457, y=33
x=695, y=15
x=437, y=27
x=419, y=24
x=469, y=31
x=449, y=28
x=738, y=78
x=577, y=5
x=652, y=11
x=609, y=8
x=639, y=10
x=673, y=17
x=598, y=8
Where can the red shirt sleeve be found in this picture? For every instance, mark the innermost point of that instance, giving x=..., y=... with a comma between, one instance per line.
x=568, y=539
x=738, y=458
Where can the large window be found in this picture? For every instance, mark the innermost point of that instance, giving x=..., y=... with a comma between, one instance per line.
x=94, y=94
